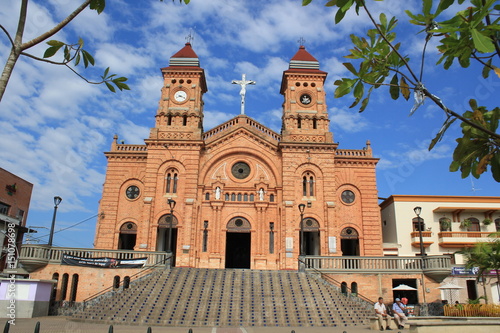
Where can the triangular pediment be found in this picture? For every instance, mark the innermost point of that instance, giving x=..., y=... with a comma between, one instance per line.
x=241, y=125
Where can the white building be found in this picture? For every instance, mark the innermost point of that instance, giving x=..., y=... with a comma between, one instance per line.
x=450, y=223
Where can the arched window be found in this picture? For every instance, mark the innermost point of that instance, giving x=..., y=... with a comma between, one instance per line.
x=239, y=196
x=74, y=288
x=497, y=224
x=304, y=186
x=311, y=186
x=315, y=123
x=172, y=181
x=184, y=120
x=116, y=282
x=126, y=282
x=207, y=196
x=354, y=288
x=64, y=286
x=252, y=197
x=474, y=224
x=55, y=276
x=227, y=196
x=169, y=120
x=245, y=197
x=417, y=225
x=343, y=287
x=299, y=122
x=233, y=197
x=271, y=198
x=128, y=236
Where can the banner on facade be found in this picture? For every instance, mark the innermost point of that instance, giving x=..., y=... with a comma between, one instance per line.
x=460, y=270
x=103, y=262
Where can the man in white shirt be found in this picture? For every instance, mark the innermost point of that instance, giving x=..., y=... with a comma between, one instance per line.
x=381, y=313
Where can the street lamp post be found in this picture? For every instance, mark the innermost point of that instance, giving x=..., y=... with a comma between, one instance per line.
x=171, y=203
x=57, y=201
x=417, y=211
x=301, y=209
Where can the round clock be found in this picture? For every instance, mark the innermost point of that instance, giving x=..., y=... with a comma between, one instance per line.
x=240, y=170
x=132, y=192
x=180, y=96
x=305, y=99
x=348, y=196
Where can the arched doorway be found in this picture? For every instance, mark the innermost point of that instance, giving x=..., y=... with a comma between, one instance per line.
x=311, y=237
x=349, y=242
x=162, y=243
x=238, y=240
x=128, y=236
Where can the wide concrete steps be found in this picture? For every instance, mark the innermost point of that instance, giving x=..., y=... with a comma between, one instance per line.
x=216, y=297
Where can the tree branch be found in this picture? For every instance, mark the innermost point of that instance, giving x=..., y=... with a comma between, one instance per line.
x=8, y=35
x=56, y=29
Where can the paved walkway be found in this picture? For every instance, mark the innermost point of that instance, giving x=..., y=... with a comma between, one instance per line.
x=63, y=325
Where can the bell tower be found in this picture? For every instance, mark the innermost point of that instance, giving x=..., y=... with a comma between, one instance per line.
x=180, y=110
x=305, y=113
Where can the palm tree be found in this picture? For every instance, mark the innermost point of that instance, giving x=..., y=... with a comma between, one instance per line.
x=484, y=256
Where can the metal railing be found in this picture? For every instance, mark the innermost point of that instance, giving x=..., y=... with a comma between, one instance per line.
x=53, y=255
x=377, y=264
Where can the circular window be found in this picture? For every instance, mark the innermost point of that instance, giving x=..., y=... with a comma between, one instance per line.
x=348, y=196
x=238, y=222
x=132, y=192
x=240, y=170
x=305, y=99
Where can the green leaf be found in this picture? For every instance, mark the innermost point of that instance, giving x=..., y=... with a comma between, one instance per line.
x=487, y=69
x=55, y=43
x=482, y=43
x=98, y=5
x=454, y=166
x=306, y=2
x=331, y=3
x=77, y=59
x=443, y=4
x=339, y=16
x=110, y=87
x=51, y=51
x=405, y=89
x=394, y=88
x=427, y=6
x=350, y=67
x=87, y=58
x=106, y=72
x=344, y=87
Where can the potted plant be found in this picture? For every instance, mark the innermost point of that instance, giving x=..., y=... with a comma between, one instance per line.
x=445, y=224
x=487, y=221
x=466, y=223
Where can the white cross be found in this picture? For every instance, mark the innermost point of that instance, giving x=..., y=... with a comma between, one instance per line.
x=243, y=83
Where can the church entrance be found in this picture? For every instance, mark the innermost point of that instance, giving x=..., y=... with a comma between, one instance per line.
x=238, y=243
x=162, y=242
x=349, y=242
x=311, y=237
x=128, y=236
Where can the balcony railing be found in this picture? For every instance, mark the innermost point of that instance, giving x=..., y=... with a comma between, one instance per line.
x=463, y=238
x=438, y=267
x=35, y=256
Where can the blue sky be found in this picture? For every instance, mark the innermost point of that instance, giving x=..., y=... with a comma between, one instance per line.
x=55, y=127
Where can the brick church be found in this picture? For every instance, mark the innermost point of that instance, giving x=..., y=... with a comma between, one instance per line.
x=237, y=187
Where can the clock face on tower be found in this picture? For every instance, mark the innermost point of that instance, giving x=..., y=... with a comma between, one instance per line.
x=180, y=96
x=305, y=99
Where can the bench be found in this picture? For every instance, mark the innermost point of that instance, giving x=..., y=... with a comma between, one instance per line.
x=374, y=324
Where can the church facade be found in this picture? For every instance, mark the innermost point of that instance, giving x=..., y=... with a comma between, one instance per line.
x=237, y=187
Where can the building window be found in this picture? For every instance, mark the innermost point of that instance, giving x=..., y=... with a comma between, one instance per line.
x=205, y=236
x=20, y=214
x=271, y=198
x=74, y=288
x=315, y=123
x=245, y=197
x=299, y=122
x=116, y=282
x=354, y=287
x=233, y=197
x=227, y=196
x=169, y=120
x=184, y=120
x=416, y=224
x=207, y=196
x=126, y=282
x=308, y=185
x=271, y=237
x=239, y=196
x=64, y=286
x=252, y=197
x=53, y=293
x=172, y=180
x=4, y=208
x=474, y=226
x=497, y=224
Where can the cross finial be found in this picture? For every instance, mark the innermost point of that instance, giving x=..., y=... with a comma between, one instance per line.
x=243, y=83
x=190, y=37
x=301, y=41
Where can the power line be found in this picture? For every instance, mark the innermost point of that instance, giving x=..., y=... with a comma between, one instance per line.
x=69, y=227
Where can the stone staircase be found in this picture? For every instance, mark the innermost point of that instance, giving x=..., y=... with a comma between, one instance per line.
x=225, y=298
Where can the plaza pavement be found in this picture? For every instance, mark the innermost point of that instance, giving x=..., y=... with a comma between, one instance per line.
x=57, y=324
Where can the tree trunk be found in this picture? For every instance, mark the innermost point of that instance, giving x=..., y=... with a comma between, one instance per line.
x=7, y=71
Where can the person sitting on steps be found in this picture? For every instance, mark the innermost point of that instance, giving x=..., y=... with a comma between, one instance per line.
x=398, y=309
x=381, y=313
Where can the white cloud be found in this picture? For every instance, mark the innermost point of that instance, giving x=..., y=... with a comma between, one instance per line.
x=347, y=120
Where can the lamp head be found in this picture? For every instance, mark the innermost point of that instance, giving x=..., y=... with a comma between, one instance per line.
x=171, y=203
x=57, y=201
x=301, y=208
x=417, y=210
